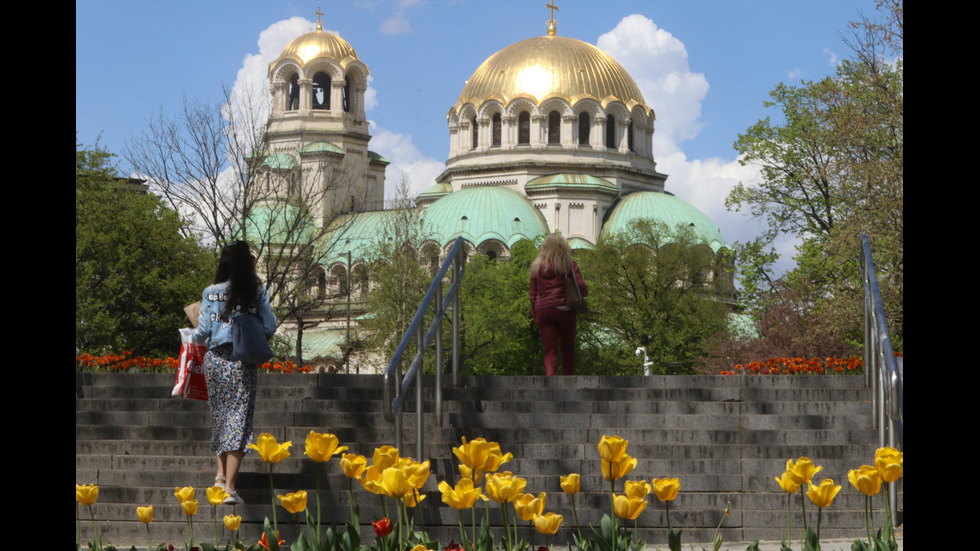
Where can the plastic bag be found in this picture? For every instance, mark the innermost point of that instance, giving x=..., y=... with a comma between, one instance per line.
x=190, y=368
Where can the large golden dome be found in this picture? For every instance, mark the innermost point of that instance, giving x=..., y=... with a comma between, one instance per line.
x=549, y=66
x=317, y=44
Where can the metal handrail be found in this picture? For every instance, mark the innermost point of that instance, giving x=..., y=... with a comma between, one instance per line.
x=881, y=369
x=394, y=382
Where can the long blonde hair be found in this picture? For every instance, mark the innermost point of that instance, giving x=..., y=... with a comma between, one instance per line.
x=555, y=253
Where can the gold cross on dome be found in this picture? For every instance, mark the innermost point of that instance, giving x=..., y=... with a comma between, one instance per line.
x=552, y=7
x=552, y=30
x=319, y=14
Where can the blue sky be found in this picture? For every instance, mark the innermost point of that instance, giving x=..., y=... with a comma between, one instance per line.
x=704, y=66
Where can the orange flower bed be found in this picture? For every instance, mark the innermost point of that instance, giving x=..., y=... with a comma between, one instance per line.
x=126, y=361
x=798, y=366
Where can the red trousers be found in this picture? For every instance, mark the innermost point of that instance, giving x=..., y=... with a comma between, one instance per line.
x=557, y=329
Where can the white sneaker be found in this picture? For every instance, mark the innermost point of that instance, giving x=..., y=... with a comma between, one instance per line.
x=234, y=499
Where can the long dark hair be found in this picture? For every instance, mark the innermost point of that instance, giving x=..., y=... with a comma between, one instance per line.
x=236, y=267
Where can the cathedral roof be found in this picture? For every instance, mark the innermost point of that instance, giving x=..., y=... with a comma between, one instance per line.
x=551, y=66
x=316, y=44
x=484, y=212
x=665, y=208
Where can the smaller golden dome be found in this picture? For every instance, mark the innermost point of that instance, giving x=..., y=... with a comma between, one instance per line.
x=318, y=44
x=549, y=66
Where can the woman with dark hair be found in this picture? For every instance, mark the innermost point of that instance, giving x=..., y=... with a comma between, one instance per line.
x=231, y=384
x=555, y=320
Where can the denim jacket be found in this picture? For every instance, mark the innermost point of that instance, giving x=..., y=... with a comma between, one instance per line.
x=210, y=324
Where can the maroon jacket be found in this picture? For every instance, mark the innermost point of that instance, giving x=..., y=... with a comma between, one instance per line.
x=548, y=289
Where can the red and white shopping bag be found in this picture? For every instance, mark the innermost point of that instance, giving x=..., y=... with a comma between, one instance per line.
x=190, y=369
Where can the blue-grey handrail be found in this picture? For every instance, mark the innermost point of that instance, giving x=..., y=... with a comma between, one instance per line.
x=881, y=369
x=394, y=383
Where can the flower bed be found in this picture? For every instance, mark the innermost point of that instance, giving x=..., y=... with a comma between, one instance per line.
x=399, y=481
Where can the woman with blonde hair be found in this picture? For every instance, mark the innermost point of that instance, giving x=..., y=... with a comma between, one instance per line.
x=555, y=319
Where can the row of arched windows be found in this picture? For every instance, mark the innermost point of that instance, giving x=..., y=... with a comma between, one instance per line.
x=554, y=124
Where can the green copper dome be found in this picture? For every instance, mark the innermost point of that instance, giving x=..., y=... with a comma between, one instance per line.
x=482, y=213
x=667, y=209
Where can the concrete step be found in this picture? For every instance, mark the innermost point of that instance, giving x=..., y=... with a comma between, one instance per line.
x=724, y=437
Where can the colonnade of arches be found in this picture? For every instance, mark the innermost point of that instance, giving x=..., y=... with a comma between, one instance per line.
x=321, y=85
x=334, y=281
x=553, y=123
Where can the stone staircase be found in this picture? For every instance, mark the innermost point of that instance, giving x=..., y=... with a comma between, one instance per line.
x=724, y=437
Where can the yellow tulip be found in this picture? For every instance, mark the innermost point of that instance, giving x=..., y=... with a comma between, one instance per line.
x=232, y=522
x=417, y=473
x=413, y=498
x=385, y=457
x=637, y=488
x=420, y=547
x=184, y=494
x=802, y=470
x=473, y=454
x=145, y=514
x=371, y=480
x=548, y=523
x=353, y=465
x=496, y=458
x=395, y=482
x=504, y=487
x=294, y=502
x=528, y=507
x=823, y=494
x=628, y=507
x=189, y=506
x=571, y=484
x=618, y=469
x=86, y=494
x=480, y=456
x=463, y=496
x=889, y=463
x=866, y=479
x=788, y=482
x=666, y=488
x=612, y=448
x=475, y=475
x=217, y=495
x=321, y=447
x=269, y=450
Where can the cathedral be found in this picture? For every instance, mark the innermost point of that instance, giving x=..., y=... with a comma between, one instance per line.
x=549, y=134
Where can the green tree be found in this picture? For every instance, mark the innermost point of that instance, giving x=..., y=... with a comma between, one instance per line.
x=831, y=169
x=499, y=335
x=400, y=276
x=134, y=268
x=655, y=287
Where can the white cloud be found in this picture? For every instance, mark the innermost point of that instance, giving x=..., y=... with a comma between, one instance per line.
x=406, y=159
x=658, y=63
x=396, y=24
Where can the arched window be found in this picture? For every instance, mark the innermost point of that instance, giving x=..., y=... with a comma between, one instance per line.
x=347, y=98
x=611, y=132
x=524, y=128
x=321, y=285
x=293, y=103
x=321, y=91
x=496, y=130
x=476, y=133
x=629, y=137
x=339, y=280
x=584, y=128
x=554, y=128
x=362, y=279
